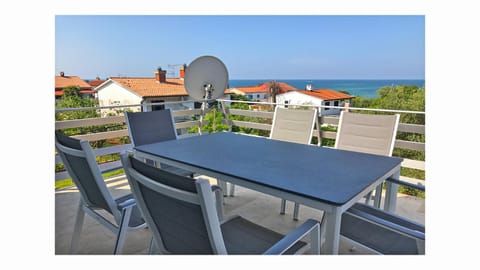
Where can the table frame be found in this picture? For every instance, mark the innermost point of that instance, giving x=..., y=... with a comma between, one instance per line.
x=332, y=213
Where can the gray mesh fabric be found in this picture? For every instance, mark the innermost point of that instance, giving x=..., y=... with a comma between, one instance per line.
x=151, y=127
x=244, y=237
x=376, y=237
x=91, y=192
x=367, y=133
x=183, y=233
x=293, y=125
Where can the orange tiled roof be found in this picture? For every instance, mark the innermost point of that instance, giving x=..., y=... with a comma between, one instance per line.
x=326, y=94
x=95, y=83
x=149, y=87
x=264, y=87
x=59, y=93
x=65, y=81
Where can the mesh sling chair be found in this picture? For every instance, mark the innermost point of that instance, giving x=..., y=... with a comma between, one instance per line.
x=182, y=215
x=151, y=127
x=157, y=126
x=292, y=126
x=367, y=133
x=381, y=232
x=79, y=161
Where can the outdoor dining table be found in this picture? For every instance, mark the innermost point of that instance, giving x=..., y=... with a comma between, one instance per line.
x=327, y=179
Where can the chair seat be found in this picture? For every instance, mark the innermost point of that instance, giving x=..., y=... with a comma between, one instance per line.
x=136, y=218
x=376, y=237
x=244, y=237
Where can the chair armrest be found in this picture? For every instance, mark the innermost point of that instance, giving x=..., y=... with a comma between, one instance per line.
x=293, y=237
x=407, y=184
x=409, y=232
x=218, y=201
x=127, y=203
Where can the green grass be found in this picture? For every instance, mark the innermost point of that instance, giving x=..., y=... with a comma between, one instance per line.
x=68, y=182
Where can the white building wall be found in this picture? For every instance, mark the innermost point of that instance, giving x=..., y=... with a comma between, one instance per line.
x=260, y=96
x=294, y=97
x=186, y=105
x=113, y=94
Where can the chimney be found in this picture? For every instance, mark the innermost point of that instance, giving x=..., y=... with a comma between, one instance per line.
x=160, y=75
x=62, y=74
x=182, y=71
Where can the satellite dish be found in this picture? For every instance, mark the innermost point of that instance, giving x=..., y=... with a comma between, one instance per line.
x=206, y=78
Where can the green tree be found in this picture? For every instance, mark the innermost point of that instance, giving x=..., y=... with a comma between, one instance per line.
x=403, y=97
x=215, y=122
x=72, y=98
x=362, y=102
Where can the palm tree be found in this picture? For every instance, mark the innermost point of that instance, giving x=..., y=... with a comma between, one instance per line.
x=273, y=90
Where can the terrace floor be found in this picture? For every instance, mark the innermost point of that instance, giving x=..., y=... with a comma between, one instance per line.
x=258, y=207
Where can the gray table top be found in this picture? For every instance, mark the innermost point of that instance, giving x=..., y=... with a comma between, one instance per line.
x=329, y=175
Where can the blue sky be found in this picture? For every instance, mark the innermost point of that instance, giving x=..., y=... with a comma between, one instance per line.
x=252, y=47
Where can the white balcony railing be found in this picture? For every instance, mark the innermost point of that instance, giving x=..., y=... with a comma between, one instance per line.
x=187, y=119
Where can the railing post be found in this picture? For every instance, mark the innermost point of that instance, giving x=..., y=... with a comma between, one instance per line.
x=200, y=124
x=226, y=112
x=317, y=122
x=347, y=106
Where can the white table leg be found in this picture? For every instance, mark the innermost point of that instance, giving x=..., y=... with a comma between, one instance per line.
x=391, y=194
x=332, y=231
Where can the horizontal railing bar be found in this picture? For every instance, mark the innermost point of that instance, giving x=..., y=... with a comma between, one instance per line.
x=413, y=164
x=328, y=134
x=253, y=125
x=250, y=113
x=329, y=120
x=115, y=149
x=102, y=135
x=122, y=106
x=417, y=146
x=179, y=113
x=189, y=124
x=411, y=128
x=413, y=181
x=89, y=122
x=323, y=106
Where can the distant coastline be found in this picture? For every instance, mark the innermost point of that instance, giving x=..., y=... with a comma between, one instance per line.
x=362, y=88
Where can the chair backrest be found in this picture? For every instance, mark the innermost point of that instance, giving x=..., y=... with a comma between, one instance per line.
x=367, y=133
x=293, y=125
x=150, y=127
x=179, y=210
x=79, y=161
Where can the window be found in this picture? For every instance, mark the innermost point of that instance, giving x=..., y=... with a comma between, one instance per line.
x=327, y=103
x=286, y=103
x=335, y=103
x=158, y=107
x=249, y=96
x=258, y=95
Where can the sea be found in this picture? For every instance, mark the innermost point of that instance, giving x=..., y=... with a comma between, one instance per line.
x=361, y=88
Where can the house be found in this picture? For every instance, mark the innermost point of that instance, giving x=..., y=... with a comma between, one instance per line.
x=96, y=82
x=146, y=90
x=261, y=91
x=64, y=81
x=319, y=97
